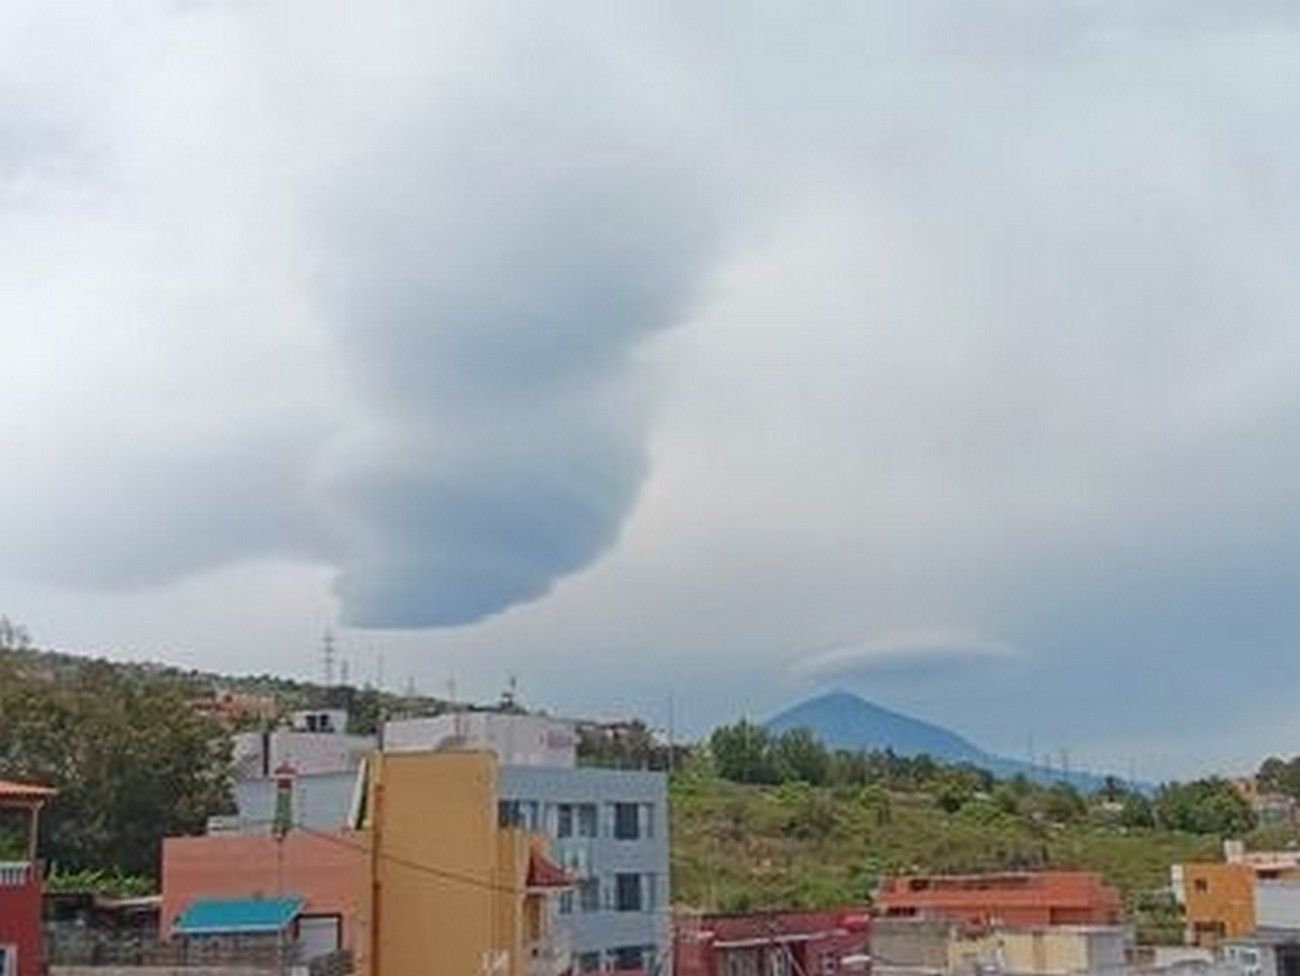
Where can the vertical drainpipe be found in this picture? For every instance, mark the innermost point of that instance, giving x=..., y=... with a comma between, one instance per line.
x=377, y=813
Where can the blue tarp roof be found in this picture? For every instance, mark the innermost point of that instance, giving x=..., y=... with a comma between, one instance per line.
x=239, y=917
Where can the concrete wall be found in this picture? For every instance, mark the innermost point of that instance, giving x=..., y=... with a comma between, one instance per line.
x=904, y=944
x=446, y=892
x=604, y=856
x=1050, y=951
x=320, y=802
x=307, y=752
x=517, y=740
x=1277, y=904
x=328, y=872
x=1250, y=959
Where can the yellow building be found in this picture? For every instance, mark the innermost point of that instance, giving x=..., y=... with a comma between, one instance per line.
x=448, y=889
x=1218, y=901
x=1052, y=950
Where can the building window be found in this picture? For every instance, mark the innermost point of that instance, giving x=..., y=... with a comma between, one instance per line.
x=1201, y=885
x=564, y=820
x=509, y=814
x=830, y=964
x=629, y=957
x=778, y=961
x=627, y=892
x=741, y=962
x=566, y=902
x=627, y=821
x=587, y=820
x=8, y=961
x=589, y=895
x=589, y=962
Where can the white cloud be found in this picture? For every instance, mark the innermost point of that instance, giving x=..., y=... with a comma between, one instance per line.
x=727, y=332
x=907, y=651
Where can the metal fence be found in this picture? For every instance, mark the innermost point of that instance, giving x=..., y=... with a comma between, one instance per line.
x=81, y=949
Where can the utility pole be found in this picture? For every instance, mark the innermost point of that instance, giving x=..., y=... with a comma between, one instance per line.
x=327, y=654
x=672, y=736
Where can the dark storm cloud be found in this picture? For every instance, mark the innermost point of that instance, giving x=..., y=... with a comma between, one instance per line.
x=493, y=270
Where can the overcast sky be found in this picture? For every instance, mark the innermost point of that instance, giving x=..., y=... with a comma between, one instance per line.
x=715, y=353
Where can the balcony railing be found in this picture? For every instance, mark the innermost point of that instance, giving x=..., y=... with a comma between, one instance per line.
x=15, y=874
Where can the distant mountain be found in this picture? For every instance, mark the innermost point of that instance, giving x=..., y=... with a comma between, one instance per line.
x=844, y=721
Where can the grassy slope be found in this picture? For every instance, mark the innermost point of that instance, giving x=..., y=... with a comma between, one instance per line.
x=737, y=847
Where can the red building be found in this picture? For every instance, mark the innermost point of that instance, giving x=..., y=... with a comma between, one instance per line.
x=20, y=880
x=773, y=944
x=1025, y=898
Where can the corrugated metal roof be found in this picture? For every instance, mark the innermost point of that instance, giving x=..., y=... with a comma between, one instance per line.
x=238, y=917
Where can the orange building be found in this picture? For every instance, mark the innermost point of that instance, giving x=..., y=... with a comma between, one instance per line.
x=1218, y=901
x=325, y=872
x=1022, y=898
x=453, y=889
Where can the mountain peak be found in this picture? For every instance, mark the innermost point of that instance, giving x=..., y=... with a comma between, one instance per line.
x=844, y=720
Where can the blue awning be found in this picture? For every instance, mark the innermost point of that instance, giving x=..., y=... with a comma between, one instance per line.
x=239, y=917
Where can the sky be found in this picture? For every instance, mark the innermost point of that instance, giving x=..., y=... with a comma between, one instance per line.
x=678, y=359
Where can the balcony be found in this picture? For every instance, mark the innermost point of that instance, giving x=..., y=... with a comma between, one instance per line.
x=16, y=874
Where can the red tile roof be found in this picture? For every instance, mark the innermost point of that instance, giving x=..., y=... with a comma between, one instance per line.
x=543, y=873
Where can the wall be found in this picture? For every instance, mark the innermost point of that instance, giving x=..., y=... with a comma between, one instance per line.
x=328, y=871
x=1021, y=899
x=1219, y=901
x=604, y=856
x=160, y=971
x=306, y=752
x=517, y=740
x=1054, y=950
x=320, y=802
x=20, y=917
x=1277, y=904
x=432, y=906
x=909, y=944
x=815, y=942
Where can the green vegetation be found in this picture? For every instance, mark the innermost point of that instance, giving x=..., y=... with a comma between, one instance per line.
x=100, y=882
x=763, y=821
x=132, y=761
x=739, y=846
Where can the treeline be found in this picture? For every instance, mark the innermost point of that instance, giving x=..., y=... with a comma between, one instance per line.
x=132, y=761
x=749, y=753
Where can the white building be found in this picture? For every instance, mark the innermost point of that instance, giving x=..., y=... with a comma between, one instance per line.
x=518, y=740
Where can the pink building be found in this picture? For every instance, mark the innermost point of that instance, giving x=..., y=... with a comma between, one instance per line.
x=323, y=875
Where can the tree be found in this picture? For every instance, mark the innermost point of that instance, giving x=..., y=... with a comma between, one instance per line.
x=1063, y=804
x=1204, y=806
x=13, y=636
x=1280, y=776
x=1137, y=812
x=133, y=763
x=742, y=753
x=799, y=755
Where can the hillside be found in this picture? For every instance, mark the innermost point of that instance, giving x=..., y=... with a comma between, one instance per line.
x=845, y=721
x=363, y=704
x=739, y=847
